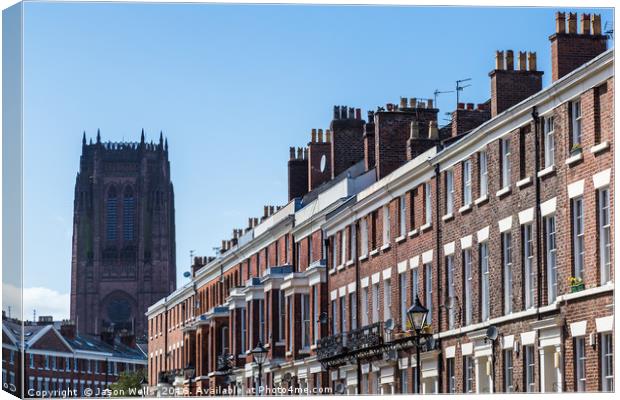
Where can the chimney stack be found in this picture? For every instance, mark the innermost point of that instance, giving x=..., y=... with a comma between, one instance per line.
x=128, y=339
x=297, y=173
x=464, y=120
x=369, y=142
x=67, y=329
x=509, y=86
x=393, y=143
x=319, y=157
x=107, y=336
x=347, y=142
x=570, y=49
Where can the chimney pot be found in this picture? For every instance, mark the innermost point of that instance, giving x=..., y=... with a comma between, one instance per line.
x=429, y=103
x=596, y=24
x=320, y=135
x=572, y=22
x=305, y=153
x=421, y=104
x=371, y=117
x=336, y=112
x=250, y=220
x=412, y=102
x=358, y=113
x=343, y=112
x=510, y=63
x=585, y=24
x=299, y=153
x=292, y=153
x=522, y=61
x=255, y=221
x=499, y=60
x=481, y=107
x=271, y=210
x=433, y=132
x=560, y=22
x=532, y=60
x=328, y=136
x=313, y=135
x=470, y=106
x=460, y=106
x=403, y=102
x=389, y=106
x=351, y=113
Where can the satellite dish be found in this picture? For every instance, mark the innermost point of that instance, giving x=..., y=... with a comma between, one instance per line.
x=186, y=274
x=389, y=324
x=492, y=332
x=340, y=388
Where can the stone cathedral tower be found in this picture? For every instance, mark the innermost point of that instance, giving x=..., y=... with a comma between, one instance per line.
x=123, y=235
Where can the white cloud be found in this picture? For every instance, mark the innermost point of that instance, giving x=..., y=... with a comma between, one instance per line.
x=44, y=300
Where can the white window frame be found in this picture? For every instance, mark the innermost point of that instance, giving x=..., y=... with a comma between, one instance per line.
x=365, y=316
x=402, y=210
x=580, y=364
x=451, y=373
x=449, y=191
x=343, y=245
x=530, y=368
x=508, y=371
x=403, y=299
x=364, y=236
x=507, y=261
x=353, y=309
x=387, y=299
x=243, y=330
x=261, y=320
x=428, y=203
x=467, y=269
x=607, y=362
x=386, y=224
x=506, y=167
x=375, y=302
x=335, y=252
x=353, y=250
x=315, y=312
x=469, y=374
x=467, y=189
x=428, y=290
x=576, y=122
x=551, y=261
x=343, y=314
x=604, y=231
x=485, y=296
x=484, y=173
x=529, y=271
x=291, y=321
x=281, y=314
x=451, y=292
x=578, y=231
x=549, y=140
x=305, y=321
x=334, y=306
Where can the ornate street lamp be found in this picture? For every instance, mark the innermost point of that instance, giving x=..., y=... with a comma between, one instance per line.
x=259, y=353
x=417, y=317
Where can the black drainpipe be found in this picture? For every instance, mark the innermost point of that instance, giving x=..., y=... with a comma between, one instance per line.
x=358, y=289
x=539, y=265
x=437, y=251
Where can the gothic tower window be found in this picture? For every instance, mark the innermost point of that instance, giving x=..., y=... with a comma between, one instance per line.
x=129, y=213
x=111, y=214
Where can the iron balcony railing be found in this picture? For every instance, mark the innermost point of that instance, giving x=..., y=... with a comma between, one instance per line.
x=352, y=341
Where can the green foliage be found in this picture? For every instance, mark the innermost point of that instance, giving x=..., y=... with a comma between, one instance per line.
x=129, y=384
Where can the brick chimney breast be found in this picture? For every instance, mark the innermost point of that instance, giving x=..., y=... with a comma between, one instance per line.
x=570, y=49
x=509, y=86
x=319, y=159
x=347, y=142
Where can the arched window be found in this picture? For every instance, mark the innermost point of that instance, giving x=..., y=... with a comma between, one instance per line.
x=129, y=214
x=111, y=214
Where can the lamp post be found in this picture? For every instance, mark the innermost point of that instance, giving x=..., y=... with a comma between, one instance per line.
x=417, y=317
x=259, y=354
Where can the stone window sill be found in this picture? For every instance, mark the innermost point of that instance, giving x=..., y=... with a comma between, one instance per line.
x=574, y=159
x=349, y=263
x=425, y=227
x=524, y=182
x=547, y=171
x=447, y=217
x=288, y=354
x=400, y=239
x=598, y=148
x=503, y=192
x=374, y=252
x=465, y=208
x=341, y=266
x=364, y=257
x=332, y=271
x=385, y=247
x=413, y=233
x=482, y=199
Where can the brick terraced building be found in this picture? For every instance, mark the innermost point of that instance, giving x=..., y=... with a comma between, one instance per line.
x=59, y=362
x=501, y=220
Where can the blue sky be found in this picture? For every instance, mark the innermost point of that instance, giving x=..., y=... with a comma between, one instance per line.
x=232, y=87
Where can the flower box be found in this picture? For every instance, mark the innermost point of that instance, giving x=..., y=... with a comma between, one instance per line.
x=577, y=288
